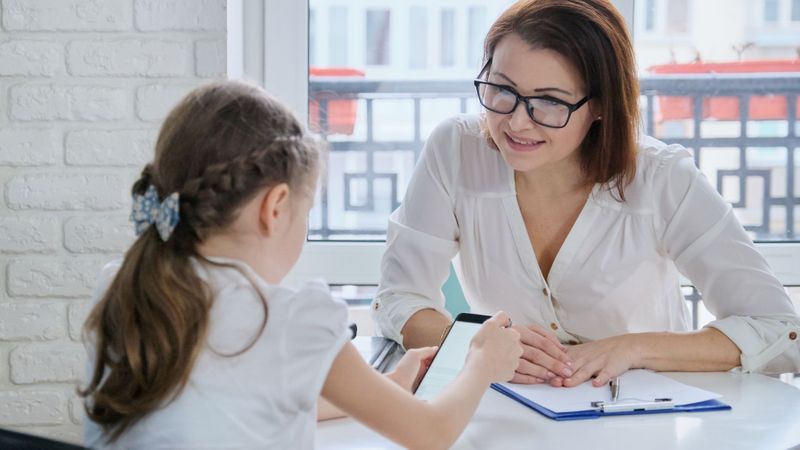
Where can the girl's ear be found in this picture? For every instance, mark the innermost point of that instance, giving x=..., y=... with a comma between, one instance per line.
x=275, y=209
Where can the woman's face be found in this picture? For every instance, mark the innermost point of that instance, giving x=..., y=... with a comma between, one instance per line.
x=525, y=144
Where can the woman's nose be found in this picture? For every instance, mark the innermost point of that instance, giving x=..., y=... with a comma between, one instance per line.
x=520, y=120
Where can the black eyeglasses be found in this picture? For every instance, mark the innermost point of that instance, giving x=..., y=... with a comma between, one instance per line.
x=545, y=110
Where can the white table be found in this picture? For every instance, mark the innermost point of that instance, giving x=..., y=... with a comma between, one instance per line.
x=765, y=415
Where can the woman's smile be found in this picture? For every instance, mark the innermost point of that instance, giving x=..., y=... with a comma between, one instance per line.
x=519, y=144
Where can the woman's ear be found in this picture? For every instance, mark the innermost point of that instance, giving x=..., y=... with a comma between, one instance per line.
x=275, y=209
x=594, y=110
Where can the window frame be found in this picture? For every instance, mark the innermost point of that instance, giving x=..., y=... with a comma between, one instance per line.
x=263, y=35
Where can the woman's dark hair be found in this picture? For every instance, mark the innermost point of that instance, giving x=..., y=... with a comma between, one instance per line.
x=221, y=145
x=592, y=36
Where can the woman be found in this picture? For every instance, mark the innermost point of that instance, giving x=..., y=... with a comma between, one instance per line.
x=558, y=212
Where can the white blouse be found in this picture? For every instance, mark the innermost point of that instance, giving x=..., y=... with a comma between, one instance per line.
x=617, y=272
x=265, y=397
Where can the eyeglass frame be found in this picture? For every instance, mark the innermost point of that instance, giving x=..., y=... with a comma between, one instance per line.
x=571, y=107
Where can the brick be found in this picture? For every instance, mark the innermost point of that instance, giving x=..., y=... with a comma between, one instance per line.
x=129, y=57
x=48, y=277
x=67, y=15
x=196, y=15
x=110, y=147
x=29, y=147
x=154, y=102
x=78, y=312
x=32, y=58
x=40, y=407
x=31, y=322
x=29, y=234
x=76, y=411
x=54, y=191
x=48, y=102
x=210, y=58
x=47, y=363
x=98, y=234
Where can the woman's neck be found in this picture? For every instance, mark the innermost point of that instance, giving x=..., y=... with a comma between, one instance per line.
x=554, y=180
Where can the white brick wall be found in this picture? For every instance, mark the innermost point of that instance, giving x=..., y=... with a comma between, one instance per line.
x=84, y=85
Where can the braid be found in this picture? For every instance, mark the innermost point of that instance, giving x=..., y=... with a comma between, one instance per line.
x=144, y=181
x=208, y=200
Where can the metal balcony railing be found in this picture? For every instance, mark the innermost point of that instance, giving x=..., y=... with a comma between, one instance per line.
x=779, y=195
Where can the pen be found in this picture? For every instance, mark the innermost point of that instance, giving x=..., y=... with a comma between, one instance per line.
x=614, y=385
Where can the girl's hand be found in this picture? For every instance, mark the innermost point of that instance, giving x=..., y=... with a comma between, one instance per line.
x=412, y=366
x=496, y=348
x=603, y=359
x=544, y=359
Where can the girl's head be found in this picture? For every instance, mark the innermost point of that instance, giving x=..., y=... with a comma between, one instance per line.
x=223, y=145
x=578, y=55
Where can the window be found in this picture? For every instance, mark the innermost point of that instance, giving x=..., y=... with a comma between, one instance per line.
x=742, y=136
x=649, y=15
x=337, y=31
x=770, y=10
x=677, y=16
x=477, y=25
x=377, y=39
x=418, y=37
x=448, y=36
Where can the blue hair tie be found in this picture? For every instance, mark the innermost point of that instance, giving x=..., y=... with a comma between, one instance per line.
x=147, y=210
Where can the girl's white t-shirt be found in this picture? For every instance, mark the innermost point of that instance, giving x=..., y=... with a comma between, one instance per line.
x=264, y=398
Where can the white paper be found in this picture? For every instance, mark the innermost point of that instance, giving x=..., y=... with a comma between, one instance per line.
x=635, y=385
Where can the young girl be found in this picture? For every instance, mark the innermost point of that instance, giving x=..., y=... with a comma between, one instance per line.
x=195, y=344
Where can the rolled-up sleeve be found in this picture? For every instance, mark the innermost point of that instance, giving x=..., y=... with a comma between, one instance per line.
x=422, y=237
x=710, y=247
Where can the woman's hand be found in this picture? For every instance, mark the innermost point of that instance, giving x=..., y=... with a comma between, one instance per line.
x=603, y=359
x=412, y=366
x=543, y=357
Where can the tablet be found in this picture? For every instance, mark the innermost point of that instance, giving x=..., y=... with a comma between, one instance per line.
x=449, y=360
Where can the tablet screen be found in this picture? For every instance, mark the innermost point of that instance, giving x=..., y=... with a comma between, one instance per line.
x=448, y=361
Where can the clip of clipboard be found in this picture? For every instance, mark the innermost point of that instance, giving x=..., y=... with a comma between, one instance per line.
x=596, y=410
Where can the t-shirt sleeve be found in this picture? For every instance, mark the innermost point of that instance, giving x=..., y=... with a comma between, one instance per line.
x=316, y=331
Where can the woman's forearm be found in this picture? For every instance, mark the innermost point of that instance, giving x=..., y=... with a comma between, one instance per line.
x=424, y=329
x=704, y=350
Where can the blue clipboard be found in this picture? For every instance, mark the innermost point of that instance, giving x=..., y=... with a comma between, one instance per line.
x=708, y=405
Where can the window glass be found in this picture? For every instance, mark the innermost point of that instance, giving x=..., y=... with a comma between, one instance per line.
x=337, y=31
x=377, y=109
x=377, y=38
x=448, y=35
x=719, y=86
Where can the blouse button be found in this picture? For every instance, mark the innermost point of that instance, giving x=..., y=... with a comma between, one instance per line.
x=544, y=292
x=375, y=306
x=792, y=335
x=553, y=326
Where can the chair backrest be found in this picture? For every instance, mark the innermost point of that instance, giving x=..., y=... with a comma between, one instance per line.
x=21, y=441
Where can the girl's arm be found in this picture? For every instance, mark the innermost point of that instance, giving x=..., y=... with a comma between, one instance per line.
x=406, y=374
x=326, y=411
x=382, y=405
